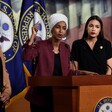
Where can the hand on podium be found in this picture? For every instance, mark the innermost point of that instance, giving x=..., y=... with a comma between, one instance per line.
x=84, y=72
x=81, y=72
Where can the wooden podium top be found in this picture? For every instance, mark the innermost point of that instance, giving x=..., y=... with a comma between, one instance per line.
x=69, y=81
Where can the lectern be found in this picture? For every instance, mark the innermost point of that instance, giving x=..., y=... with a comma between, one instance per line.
x=75, y=93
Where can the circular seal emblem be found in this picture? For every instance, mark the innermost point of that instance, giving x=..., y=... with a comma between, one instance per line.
x=9, y=41
x=33, y=14
x=104, y=105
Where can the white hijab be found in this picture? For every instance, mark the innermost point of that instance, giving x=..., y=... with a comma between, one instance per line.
x=57, y=17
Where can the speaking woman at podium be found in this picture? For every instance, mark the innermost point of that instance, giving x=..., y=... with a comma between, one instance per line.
x=53, y=59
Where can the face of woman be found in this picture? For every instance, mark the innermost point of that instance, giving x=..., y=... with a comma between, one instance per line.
x=93, y=28
x=59, y=30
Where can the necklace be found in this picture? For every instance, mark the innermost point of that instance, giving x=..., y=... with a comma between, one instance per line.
x=55, y=51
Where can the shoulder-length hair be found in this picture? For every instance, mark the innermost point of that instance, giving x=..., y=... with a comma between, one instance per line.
x=94, y=17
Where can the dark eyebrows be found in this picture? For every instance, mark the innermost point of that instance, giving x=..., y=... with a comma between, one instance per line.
x=94, y=25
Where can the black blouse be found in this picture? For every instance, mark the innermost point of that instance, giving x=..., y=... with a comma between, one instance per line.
x=57, y=65
x=92, y=60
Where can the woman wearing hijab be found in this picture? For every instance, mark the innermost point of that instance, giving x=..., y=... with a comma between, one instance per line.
x=53, y=59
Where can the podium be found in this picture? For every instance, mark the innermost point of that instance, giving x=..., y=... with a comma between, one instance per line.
x=75, y=93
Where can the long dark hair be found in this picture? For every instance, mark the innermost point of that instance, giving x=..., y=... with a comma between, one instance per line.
x=94, y=17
